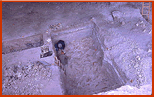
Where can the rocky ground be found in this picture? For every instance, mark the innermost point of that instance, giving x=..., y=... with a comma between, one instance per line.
x=29, y=79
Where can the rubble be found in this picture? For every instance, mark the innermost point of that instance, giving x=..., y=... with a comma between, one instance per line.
x=22, y=76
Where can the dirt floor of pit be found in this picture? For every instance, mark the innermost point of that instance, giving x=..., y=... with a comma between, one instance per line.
x=85, y=73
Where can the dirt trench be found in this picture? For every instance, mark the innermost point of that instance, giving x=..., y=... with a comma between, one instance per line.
x=86, y=73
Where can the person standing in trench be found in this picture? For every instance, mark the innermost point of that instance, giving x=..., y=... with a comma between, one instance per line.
x=60, y=46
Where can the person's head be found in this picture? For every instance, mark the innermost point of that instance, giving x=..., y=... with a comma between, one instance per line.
x=59, y=45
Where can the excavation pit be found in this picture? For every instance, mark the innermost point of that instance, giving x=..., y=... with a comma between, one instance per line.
x=86, y=72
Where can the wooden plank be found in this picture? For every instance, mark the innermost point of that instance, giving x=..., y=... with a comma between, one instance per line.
x=144, y=6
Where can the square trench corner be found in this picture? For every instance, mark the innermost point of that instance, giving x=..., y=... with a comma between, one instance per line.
x=86, y=72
